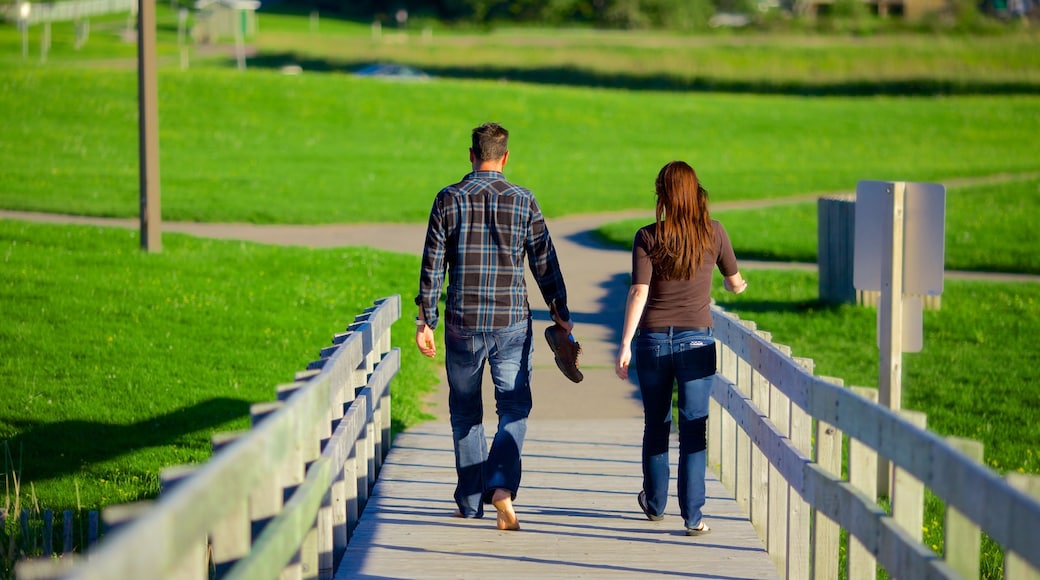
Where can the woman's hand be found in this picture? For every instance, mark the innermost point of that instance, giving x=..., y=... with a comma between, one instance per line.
x=623, y=358
x=735, y=283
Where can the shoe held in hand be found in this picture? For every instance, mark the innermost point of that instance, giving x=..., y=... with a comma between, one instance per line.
x=566, y=351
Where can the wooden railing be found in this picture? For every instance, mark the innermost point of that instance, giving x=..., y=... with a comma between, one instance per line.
x=777, y=435
x=277, y=501
x=40, y=12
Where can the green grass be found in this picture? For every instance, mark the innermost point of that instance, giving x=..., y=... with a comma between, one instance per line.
x=116, y=362
x=324, y=146
x=268, y=148
x=989, y=227
x=103, y=346
x=794, y=62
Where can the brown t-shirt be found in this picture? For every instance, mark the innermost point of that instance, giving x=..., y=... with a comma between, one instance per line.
x=680, y=302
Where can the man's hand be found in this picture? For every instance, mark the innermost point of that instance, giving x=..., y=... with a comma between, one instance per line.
x=424, y=340
x=567, y=324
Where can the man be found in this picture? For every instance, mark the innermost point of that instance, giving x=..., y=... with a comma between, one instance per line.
x=480, y=231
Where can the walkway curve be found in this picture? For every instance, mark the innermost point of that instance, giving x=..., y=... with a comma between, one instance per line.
x=597, y=282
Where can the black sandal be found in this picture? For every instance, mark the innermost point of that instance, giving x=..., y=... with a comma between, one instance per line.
x=641, y=499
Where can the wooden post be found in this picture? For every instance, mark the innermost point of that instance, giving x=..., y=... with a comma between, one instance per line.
x=779, y=490
x=231, y=537
x=907, y=491
x=863, y=469
x=890, y=312
x=799, y=546
x=148, y=128
x=195, y=564
x=963, y=537
x=826, y=540
x=715, y=413
x=731, y=367
x=1015, y=568
x=891, y=336
x=760, y=468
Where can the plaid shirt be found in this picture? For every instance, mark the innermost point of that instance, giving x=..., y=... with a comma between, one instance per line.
x=480, y=230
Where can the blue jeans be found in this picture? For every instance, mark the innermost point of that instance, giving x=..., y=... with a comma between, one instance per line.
x=664, y=359
x=479, y=470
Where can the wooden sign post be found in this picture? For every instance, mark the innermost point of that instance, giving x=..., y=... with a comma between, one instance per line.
x=899, y=251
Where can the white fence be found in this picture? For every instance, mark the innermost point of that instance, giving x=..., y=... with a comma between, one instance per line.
x=39, y=12
x=777, y=435
x=281, y=500
x=277, y=501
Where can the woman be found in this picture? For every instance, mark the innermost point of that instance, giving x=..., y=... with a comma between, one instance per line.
x=673, y=261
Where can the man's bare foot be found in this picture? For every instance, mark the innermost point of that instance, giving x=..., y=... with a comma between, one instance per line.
x=503, y=502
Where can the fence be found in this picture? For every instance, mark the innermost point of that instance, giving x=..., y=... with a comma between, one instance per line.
x=776, y=438
x=277, y=501
x=37, y=530
x=63, y=11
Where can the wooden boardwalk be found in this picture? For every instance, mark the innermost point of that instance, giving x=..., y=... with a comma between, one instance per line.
x=577, y=510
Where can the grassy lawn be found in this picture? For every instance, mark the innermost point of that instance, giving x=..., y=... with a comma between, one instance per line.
x=799, y=62
x=115, y=363
x=319, y=147
x=333, y=148
x=988, y=228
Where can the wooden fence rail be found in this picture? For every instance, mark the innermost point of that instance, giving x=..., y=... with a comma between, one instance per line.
x=281, y=500
x=277, y=501
x=777, y=435
x=41, y=12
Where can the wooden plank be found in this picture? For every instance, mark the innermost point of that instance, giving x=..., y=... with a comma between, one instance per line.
x=281, y=538
x=729, y=448
x=741, y=468
x=577, y=511
x=907, y=490
x=1015, y=568
x=863, y=468
x=715, y=427
x=873, y=528
x=963, y=540
x=759, y=462
x=799, y=543
x=826, y=539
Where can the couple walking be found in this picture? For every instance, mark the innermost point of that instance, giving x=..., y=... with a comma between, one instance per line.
x=480, y=232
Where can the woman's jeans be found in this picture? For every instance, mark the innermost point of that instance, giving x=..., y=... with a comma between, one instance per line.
x=662, y=360
x=479, y=470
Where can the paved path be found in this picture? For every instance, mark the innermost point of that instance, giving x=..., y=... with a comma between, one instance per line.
x=597, y=282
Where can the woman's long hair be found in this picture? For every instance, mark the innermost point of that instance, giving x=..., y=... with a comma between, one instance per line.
x=683, y=223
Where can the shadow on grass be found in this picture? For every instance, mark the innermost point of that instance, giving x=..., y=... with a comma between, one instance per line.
x=578, y=77
x=774, y=306
x=49, y=450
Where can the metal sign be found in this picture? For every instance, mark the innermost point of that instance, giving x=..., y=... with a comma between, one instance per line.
x=913, y=325
x=924, y=231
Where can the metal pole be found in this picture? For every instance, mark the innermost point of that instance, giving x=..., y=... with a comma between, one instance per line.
x=148, y=127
